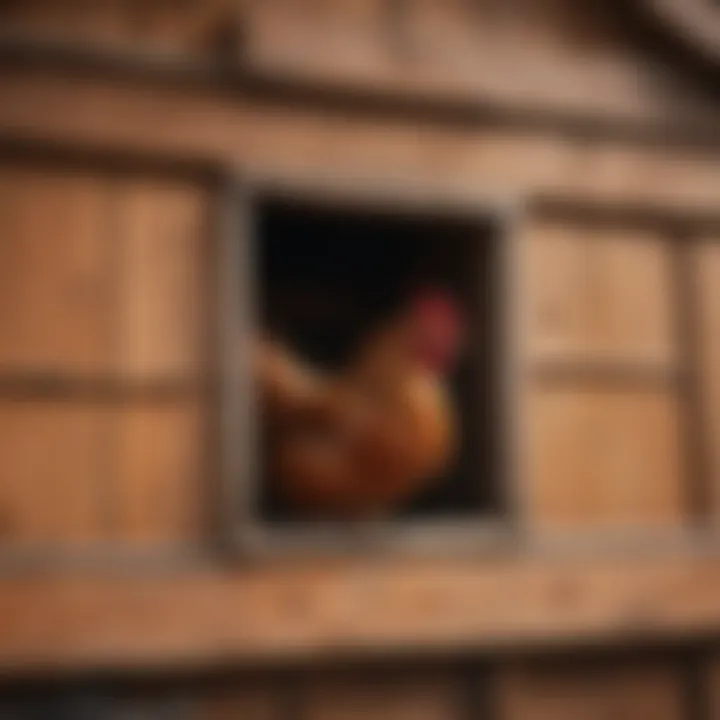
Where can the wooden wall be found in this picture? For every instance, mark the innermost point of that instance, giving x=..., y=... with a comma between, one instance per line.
x=566, y=688
x=101, y=354
x=108, y=489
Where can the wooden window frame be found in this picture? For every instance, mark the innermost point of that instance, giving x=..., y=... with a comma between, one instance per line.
x=240, y=466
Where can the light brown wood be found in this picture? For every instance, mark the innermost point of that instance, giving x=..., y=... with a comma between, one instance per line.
x=603, y=457
x=599, y=294
x=383, y=695
x=160, y=485
x=163, y=252
x=544, y=55
x=551, y=56
x=54, y=271
x=624, y=690
x=50, y=474
x=283, y=611
x=203, y=124
x=706, y=267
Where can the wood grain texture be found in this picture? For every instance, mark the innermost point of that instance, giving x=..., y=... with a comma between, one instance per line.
x=706, y=271
x=546, y=55
x=552, y=56
x=163, y=266
x=204, y=124
x=190, y=27
x=50, y=474
x=55, y=300
x=599, y=294
x=160, y=487
x=382, y=695
x=591, y=691
x=603, y=457
x=62, y=621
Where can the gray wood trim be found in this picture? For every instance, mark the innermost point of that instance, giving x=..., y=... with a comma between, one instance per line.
x=249, y=535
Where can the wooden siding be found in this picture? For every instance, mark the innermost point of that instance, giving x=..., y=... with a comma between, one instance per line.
x=584, y=690
x=102, y=283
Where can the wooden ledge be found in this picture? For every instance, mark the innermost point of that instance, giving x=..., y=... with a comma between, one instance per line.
x=86, y=620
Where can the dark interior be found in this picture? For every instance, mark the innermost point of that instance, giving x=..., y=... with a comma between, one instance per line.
x=329, y=274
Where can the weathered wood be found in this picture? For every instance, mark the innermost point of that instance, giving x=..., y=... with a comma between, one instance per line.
x=706, y=267
x=711, y=677
x=204, y=124
x=384, y=695
x=51, y=473
x=163, y=247
x=191, y=28
x=603, y=456
x=241, y=700
x=155, y=468
x=75, y=620
x=55, y=299
x=552, y=57
x=598, y=294
x=624, y=690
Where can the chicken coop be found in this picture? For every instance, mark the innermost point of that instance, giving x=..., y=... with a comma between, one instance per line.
x=177, y=176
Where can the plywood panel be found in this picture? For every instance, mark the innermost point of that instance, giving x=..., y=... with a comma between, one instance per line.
x=578, y=691
x=50, y=474
x=55, y=292
x=158, y=492
x=601, y=457
x=706, y=261
x=382, y=696
x=598, y=294
x=163, y=256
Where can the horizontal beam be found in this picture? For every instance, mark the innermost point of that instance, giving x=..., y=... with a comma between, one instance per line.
x=647, y=124
x=211, y=614
x=46, y=385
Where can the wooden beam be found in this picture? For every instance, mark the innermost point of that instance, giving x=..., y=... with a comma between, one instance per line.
x=207, y=127
x=82, y=620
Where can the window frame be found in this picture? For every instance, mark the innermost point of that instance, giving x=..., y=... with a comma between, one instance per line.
x=240, y=465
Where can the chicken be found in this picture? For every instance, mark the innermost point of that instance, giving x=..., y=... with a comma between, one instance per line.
x=359, y=443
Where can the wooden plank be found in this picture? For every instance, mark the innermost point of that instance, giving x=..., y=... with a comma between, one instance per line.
x=63, y=621
x=240, y=700
x=163, y=257
x=192, y=27
x=527, y=56
x=50, y=474
x=706, y=267
x=603, y=457
x=158, y=494
x=54, y=271
x=711, y=677
x=590, y=691
x=384, y=695
x=203, y=124
x=551, y=56
x=598, y=294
